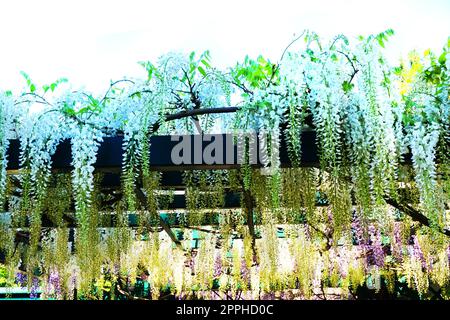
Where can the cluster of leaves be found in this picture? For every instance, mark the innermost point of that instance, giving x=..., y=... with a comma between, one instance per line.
x=367, y=117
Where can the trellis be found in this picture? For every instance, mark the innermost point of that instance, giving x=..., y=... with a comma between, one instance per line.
x=320, y=125
x=109, y=162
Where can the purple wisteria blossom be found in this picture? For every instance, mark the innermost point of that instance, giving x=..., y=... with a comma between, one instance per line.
x=358, y=230
x=72, y=285
x=218, y=266
x=54, y=284
x=245, y=273
x=307, y=232
x=190, y=262
x=418, y=253
x=34, y=288
x=396, y=243
x=377, y=255
x=116, y=269
x=268, y=296
x=21, y=279
x=342, y=259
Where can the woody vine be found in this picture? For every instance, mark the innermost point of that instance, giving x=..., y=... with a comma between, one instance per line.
x=375, y=206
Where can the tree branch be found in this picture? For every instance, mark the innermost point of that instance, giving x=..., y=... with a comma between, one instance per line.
x=355, y=71
x=194, y=112
x=274, y=70
x=414, y=214
x=143, y=199
x=111, y=86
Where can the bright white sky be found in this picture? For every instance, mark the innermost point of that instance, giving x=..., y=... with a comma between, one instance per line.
x=91, y=42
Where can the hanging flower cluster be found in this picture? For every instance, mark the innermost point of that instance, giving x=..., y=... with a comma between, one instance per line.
x=383, y=141
x=7, y=111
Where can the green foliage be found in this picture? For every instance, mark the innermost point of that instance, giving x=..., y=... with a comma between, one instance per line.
x=151, y=69
x=5, y=280
x=30, y=84
x=52, y=87
x=202, y=64
x=295, y=228
x=32, y=87
x=254, y=73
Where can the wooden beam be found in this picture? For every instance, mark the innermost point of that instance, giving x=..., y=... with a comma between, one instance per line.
x=110, y=154
x=143, y=200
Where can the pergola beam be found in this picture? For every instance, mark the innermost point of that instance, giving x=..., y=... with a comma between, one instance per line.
x=110, y=154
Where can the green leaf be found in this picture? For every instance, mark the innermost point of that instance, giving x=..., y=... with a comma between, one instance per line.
x=398, y=70
x=25, y=75
x=83, y=110
x=32, y=88
x=380, y=41
x=206, y=55
x=202, y=71
x=261, y=60
x=27, y=78
x=137, y=94
x=93, y=102
x=407, y=119
x=68, y=110
x=53, y=86
x=45, y=88
x=442, y=58
x=205, y=63
x=151, y=69
x=390, y=32
x=347, y=86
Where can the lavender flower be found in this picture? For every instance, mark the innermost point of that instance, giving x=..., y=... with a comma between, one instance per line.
x=307, y=232
x=34, y=288
x=358, y=230
x=21, y=279
x=342, y=262
x=218, y=266
x=396, y=244
x=190, y=262
x=72, y=285
x=54, y=284
x=268, y=296
x=418, y=253
x=116, y=269
x=245, y=273
x=377, y=255
x=330, y=215
x=360, y=240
